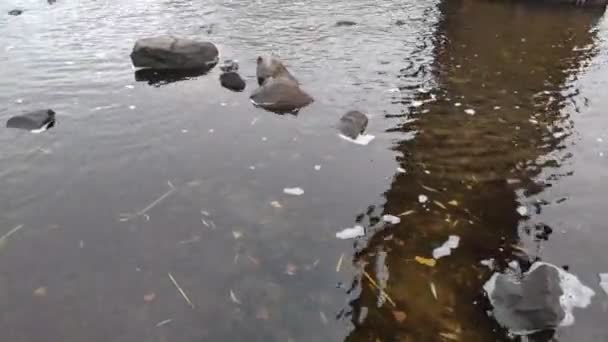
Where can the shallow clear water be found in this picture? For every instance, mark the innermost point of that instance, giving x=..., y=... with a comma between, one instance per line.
x=255, y=270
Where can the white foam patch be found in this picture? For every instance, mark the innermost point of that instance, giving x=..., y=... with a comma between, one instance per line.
x=391, y=219
x=294, y=191
x=351, y=233
x=469, y=111
x=41, y=129
x=446, y=249
x=362, y=139
x=604, y=282
x=523, y=211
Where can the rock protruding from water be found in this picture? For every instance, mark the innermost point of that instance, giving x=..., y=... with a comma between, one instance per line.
x=272, y=67
x=33, y=121
x=352, y=124
x=233, y=81
x=341, y=23
x=541, y=299
x=167, y=52
x=279, y=91
x=280, y=95
x=15, y=12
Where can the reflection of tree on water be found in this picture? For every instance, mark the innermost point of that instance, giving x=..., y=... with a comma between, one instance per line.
x=510, y=66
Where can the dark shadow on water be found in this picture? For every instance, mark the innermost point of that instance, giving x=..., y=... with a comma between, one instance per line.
x=158, y=77
x=501, y=82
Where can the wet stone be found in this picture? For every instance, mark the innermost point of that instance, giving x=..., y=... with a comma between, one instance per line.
x=15, y=12
x=167, y=52
x=232, y=81
x=341, y=23
x=280, y=95
x=33, y=120
x=352, y=124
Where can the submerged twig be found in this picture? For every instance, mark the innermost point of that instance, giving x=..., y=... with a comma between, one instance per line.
x=382, y=292
x=10, y=232
x=144, y=211
x=181, y=291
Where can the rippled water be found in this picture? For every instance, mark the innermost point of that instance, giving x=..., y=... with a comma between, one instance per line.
x=255, y=270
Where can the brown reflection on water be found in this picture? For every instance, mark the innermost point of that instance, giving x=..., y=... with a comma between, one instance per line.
x=512, y=65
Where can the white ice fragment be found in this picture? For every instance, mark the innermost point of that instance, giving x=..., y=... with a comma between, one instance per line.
x=41, y=129
x=604, y=282
x=351, y=233
x=237, y=235
x=496, y=107
x=391, y=219
x=469, y=111
x=521, y=210
x=294, y=191
x=393, y=90
x=317, y=167
x=533, y=121
x=69, y=63
x=446, y=249
x=19, y=100
x=417, y=103
x=129, y=86
x=184, y=131
x=457, y=104
x=264, y=139
x=600, y=140
x=223, y=104
x=558, y=135
x=422, y=198
x=401, y=170
x=211, y=130
x=252, y=167
x=132, y=107
x=362, y=139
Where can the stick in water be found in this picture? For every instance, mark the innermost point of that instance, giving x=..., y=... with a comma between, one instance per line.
x=180, y=290
x=11, y=232
x=150, y=206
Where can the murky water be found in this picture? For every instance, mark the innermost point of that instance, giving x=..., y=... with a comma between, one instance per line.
x=485, y=106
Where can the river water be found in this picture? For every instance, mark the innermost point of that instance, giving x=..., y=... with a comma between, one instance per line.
x=482, y=107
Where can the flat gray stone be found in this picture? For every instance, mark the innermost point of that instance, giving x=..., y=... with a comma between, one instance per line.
x=352, y=124
x=280, y=95
x=167, y=52
x=33, y=120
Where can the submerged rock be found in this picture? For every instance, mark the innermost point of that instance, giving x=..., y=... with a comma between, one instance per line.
x=159, y=77
x=33, y=121
x=541, y=299
x=167, y=52
x=229, y=65
x=15, y=12
x=400, y=22
x=280, y=95
x=271, y=67
x=345, y=23
x=352, y=124
x=233, y=81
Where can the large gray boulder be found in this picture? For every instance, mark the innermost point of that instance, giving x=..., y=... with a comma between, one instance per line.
x=280, y=95
x=167, y=52
x=352, y=124
x=32, y=121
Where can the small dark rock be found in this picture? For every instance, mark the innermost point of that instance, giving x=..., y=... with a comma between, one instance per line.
x=160, y=77
x=352, y=124
x=400, y=22
x=345, y=23
x=33, y=120
x=232, y=81
x=229, y=65
x=15, y=12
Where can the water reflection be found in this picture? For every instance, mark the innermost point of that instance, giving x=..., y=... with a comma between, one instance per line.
x=497, y=116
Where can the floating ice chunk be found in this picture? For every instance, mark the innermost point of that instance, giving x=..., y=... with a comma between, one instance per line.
x=401, y=170
x=362, y=139
x=43, y=128
x=317, y=167
x=19, y=100
x=132, y=107
x=496, y=107
x=417, y=103
x=422, y=198
x=469, y=111
x=604, y=282
x=351, y=233
x=391, y=219
x=457, y=104
x=264, y=139
x=446, y=248
x=211, y=130
x=294, y=191
x=521, y=210
x=600, y=140
x=558, y=135
x=184, y=131
x=129, y=86
x=393, y=90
